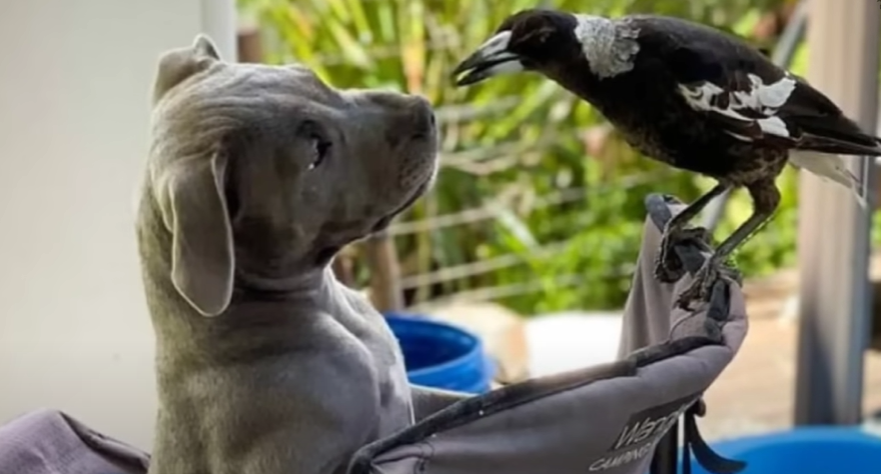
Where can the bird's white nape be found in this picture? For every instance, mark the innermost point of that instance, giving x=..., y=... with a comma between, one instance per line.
x=608, y=45
x=761, y=100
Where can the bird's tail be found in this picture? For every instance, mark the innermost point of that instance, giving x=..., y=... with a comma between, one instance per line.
x=830, y=167
x=869, y=145
x=842, y=136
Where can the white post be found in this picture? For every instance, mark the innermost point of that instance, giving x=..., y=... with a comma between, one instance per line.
x=834, y=232
x=219, y=22
x=74, y=112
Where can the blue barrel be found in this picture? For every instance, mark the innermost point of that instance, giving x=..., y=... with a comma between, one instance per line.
x=441, y=355
x=805, y=450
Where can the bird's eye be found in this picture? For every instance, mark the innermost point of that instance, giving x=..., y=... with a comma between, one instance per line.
x=320, y=149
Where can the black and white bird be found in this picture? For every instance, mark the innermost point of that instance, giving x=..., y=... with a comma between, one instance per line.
x=690, y=96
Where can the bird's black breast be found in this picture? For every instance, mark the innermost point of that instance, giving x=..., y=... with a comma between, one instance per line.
x=649, y=113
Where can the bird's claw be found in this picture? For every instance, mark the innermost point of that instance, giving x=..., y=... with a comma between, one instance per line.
x=701, y=287
x=668, y=267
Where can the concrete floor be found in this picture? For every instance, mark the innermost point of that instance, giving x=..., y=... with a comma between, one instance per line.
x=755, y=394
x=571, y=340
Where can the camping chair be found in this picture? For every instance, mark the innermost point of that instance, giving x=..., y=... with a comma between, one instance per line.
x=616, y=418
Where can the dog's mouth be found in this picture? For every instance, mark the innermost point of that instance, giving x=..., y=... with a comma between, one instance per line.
x=325, y=254
x=383, y=223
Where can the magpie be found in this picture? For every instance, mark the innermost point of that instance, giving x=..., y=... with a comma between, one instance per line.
x=692, y=97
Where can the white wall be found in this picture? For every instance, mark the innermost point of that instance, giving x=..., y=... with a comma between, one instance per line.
x=75, y=80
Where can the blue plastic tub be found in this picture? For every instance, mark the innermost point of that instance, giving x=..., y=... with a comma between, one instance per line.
x=805, y=450
x=441, y=355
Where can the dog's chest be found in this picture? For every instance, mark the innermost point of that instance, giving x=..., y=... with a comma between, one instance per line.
x=394, y=389
x=344, y=387
x=395, y=397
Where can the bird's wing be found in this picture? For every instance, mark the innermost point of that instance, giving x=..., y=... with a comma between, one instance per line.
x=747, y=95
x=743, y=104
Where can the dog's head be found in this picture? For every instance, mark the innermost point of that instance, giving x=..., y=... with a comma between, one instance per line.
x=261, y=173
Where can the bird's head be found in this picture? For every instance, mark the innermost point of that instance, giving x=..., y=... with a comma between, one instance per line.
x=529, y=40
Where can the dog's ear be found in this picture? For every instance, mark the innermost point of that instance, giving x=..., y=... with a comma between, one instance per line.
x=177, y=65
x=203, y=46
x=193, y=205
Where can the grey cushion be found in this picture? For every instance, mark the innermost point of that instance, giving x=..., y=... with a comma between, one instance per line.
x=51, y=442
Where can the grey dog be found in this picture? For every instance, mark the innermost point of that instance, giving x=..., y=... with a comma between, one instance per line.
x=257, y=175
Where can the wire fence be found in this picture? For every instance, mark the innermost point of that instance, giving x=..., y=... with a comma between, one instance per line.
x=496, y=205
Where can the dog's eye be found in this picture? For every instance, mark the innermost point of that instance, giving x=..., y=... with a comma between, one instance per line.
x=320, y=147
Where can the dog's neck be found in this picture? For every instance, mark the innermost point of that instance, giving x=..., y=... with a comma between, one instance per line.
x=318, y=290
x=303, y=286
x=279, y=298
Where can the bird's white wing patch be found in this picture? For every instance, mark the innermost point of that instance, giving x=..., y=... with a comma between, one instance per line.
x=758, y=104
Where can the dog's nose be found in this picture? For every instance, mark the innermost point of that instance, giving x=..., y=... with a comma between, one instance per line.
x=422, y=113
x=405, y=115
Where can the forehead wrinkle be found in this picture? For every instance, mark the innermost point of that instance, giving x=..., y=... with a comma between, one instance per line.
x=265, y=83
x=204, y=112
x=302, y=82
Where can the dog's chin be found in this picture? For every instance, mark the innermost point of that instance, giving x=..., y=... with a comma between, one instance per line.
x=326, y=254
x=386, y=220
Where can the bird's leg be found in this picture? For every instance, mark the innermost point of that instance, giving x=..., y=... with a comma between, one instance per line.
x=668, y=268
x=766, y=198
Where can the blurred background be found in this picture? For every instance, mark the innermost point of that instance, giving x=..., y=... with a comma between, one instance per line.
x=529, y=238
x=539, y=204
x=531, y=234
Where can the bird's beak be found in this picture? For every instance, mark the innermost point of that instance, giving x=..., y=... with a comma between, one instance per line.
x=490, y=59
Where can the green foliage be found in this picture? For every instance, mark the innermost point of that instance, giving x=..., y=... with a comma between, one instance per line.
x=514, y=147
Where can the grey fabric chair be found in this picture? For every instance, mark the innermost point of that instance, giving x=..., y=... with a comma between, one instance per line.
x=617, y=418
x=609, y=418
